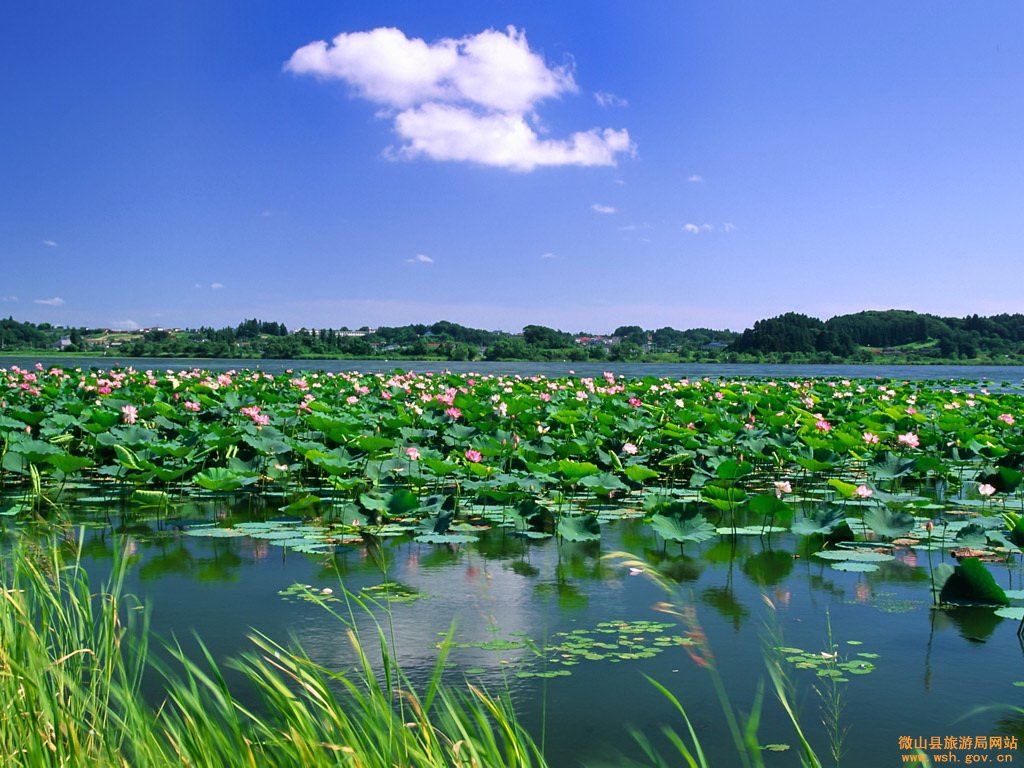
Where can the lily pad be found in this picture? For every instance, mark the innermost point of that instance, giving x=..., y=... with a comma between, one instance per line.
x=854, y=567
x=853, y=555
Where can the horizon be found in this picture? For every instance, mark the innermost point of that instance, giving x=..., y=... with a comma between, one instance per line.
x=580, y=332
x=505, y=165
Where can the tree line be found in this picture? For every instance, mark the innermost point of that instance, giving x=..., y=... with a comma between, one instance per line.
x=892, y=335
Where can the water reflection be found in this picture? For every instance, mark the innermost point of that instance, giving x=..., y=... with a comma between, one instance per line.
x=509, y=598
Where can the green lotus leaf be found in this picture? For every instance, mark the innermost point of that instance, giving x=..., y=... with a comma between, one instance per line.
x=973, y=583
x=724, y=499
x=750, y=530
x=576, y=470
x=730, y=469
x=221, y=479
x=848, y=565
x=638, y=473
x=214, y=532
x=888, y=522
x=604, y=481
x=1016, y=613
x=301, y=504
x=673, y=528
x=373, y=443
x=844, y=489
x=853, y=555
x=823, y=519
x=578, y=528
x=445, y=538
x=144, y=498
x=67, y=463
x=891, y=466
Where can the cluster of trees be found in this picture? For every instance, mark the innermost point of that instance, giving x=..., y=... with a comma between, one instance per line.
x=15, y=335
x=792, y=337
x=890, y=332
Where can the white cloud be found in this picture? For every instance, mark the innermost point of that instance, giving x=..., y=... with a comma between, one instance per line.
x=505, y=140
x=50, y=243
x=420, y=258
x=494, y=70
x=8, y=298
x=470, y=99
x=124, y=325
x=695, y=229
x=549, y=255
x=695, y=179
x=56, y=301
x=216, y=286
x=606, y=100
x=603, y=208
x=728, y=227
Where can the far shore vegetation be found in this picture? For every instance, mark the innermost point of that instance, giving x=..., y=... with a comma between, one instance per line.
x=884, y=337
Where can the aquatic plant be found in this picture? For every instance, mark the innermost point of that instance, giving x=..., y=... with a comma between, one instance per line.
x=72, y=666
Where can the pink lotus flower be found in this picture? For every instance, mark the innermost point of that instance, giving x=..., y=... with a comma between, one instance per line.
x=453, y=412
x=910, y=439
x=863, y=492
x=823, y=425
x=1007, y=418
x=474, y=455
x=781, y=487
x=129, y=414
x=629, y=448
x=412, y=453
x=870, y=438
x=986, y=490
x=635, y=402
x=253, y=412
x=192, y=405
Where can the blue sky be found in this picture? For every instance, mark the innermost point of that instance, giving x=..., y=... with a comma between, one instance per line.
x=581, y=165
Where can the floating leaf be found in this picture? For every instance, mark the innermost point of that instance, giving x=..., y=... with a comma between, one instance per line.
x=750, y=530
x=854, y=567
x=854, y=555
x=445, y=538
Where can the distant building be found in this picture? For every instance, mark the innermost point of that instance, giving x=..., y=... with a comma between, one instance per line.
x=595, y=341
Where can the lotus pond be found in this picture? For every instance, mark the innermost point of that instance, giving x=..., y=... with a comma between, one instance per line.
x=573, y=534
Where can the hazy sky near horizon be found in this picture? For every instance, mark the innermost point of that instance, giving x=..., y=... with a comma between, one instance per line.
x=581, y=165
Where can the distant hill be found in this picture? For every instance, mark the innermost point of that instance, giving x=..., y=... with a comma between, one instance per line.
x=886, y=332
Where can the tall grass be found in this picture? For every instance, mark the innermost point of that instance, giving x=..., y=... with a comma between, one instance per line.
x=72, y=663
x=71, y=669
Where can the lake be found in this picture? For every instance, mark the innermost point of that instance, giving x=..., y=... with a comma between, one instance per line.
x=993, y=373
x=570, y=630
